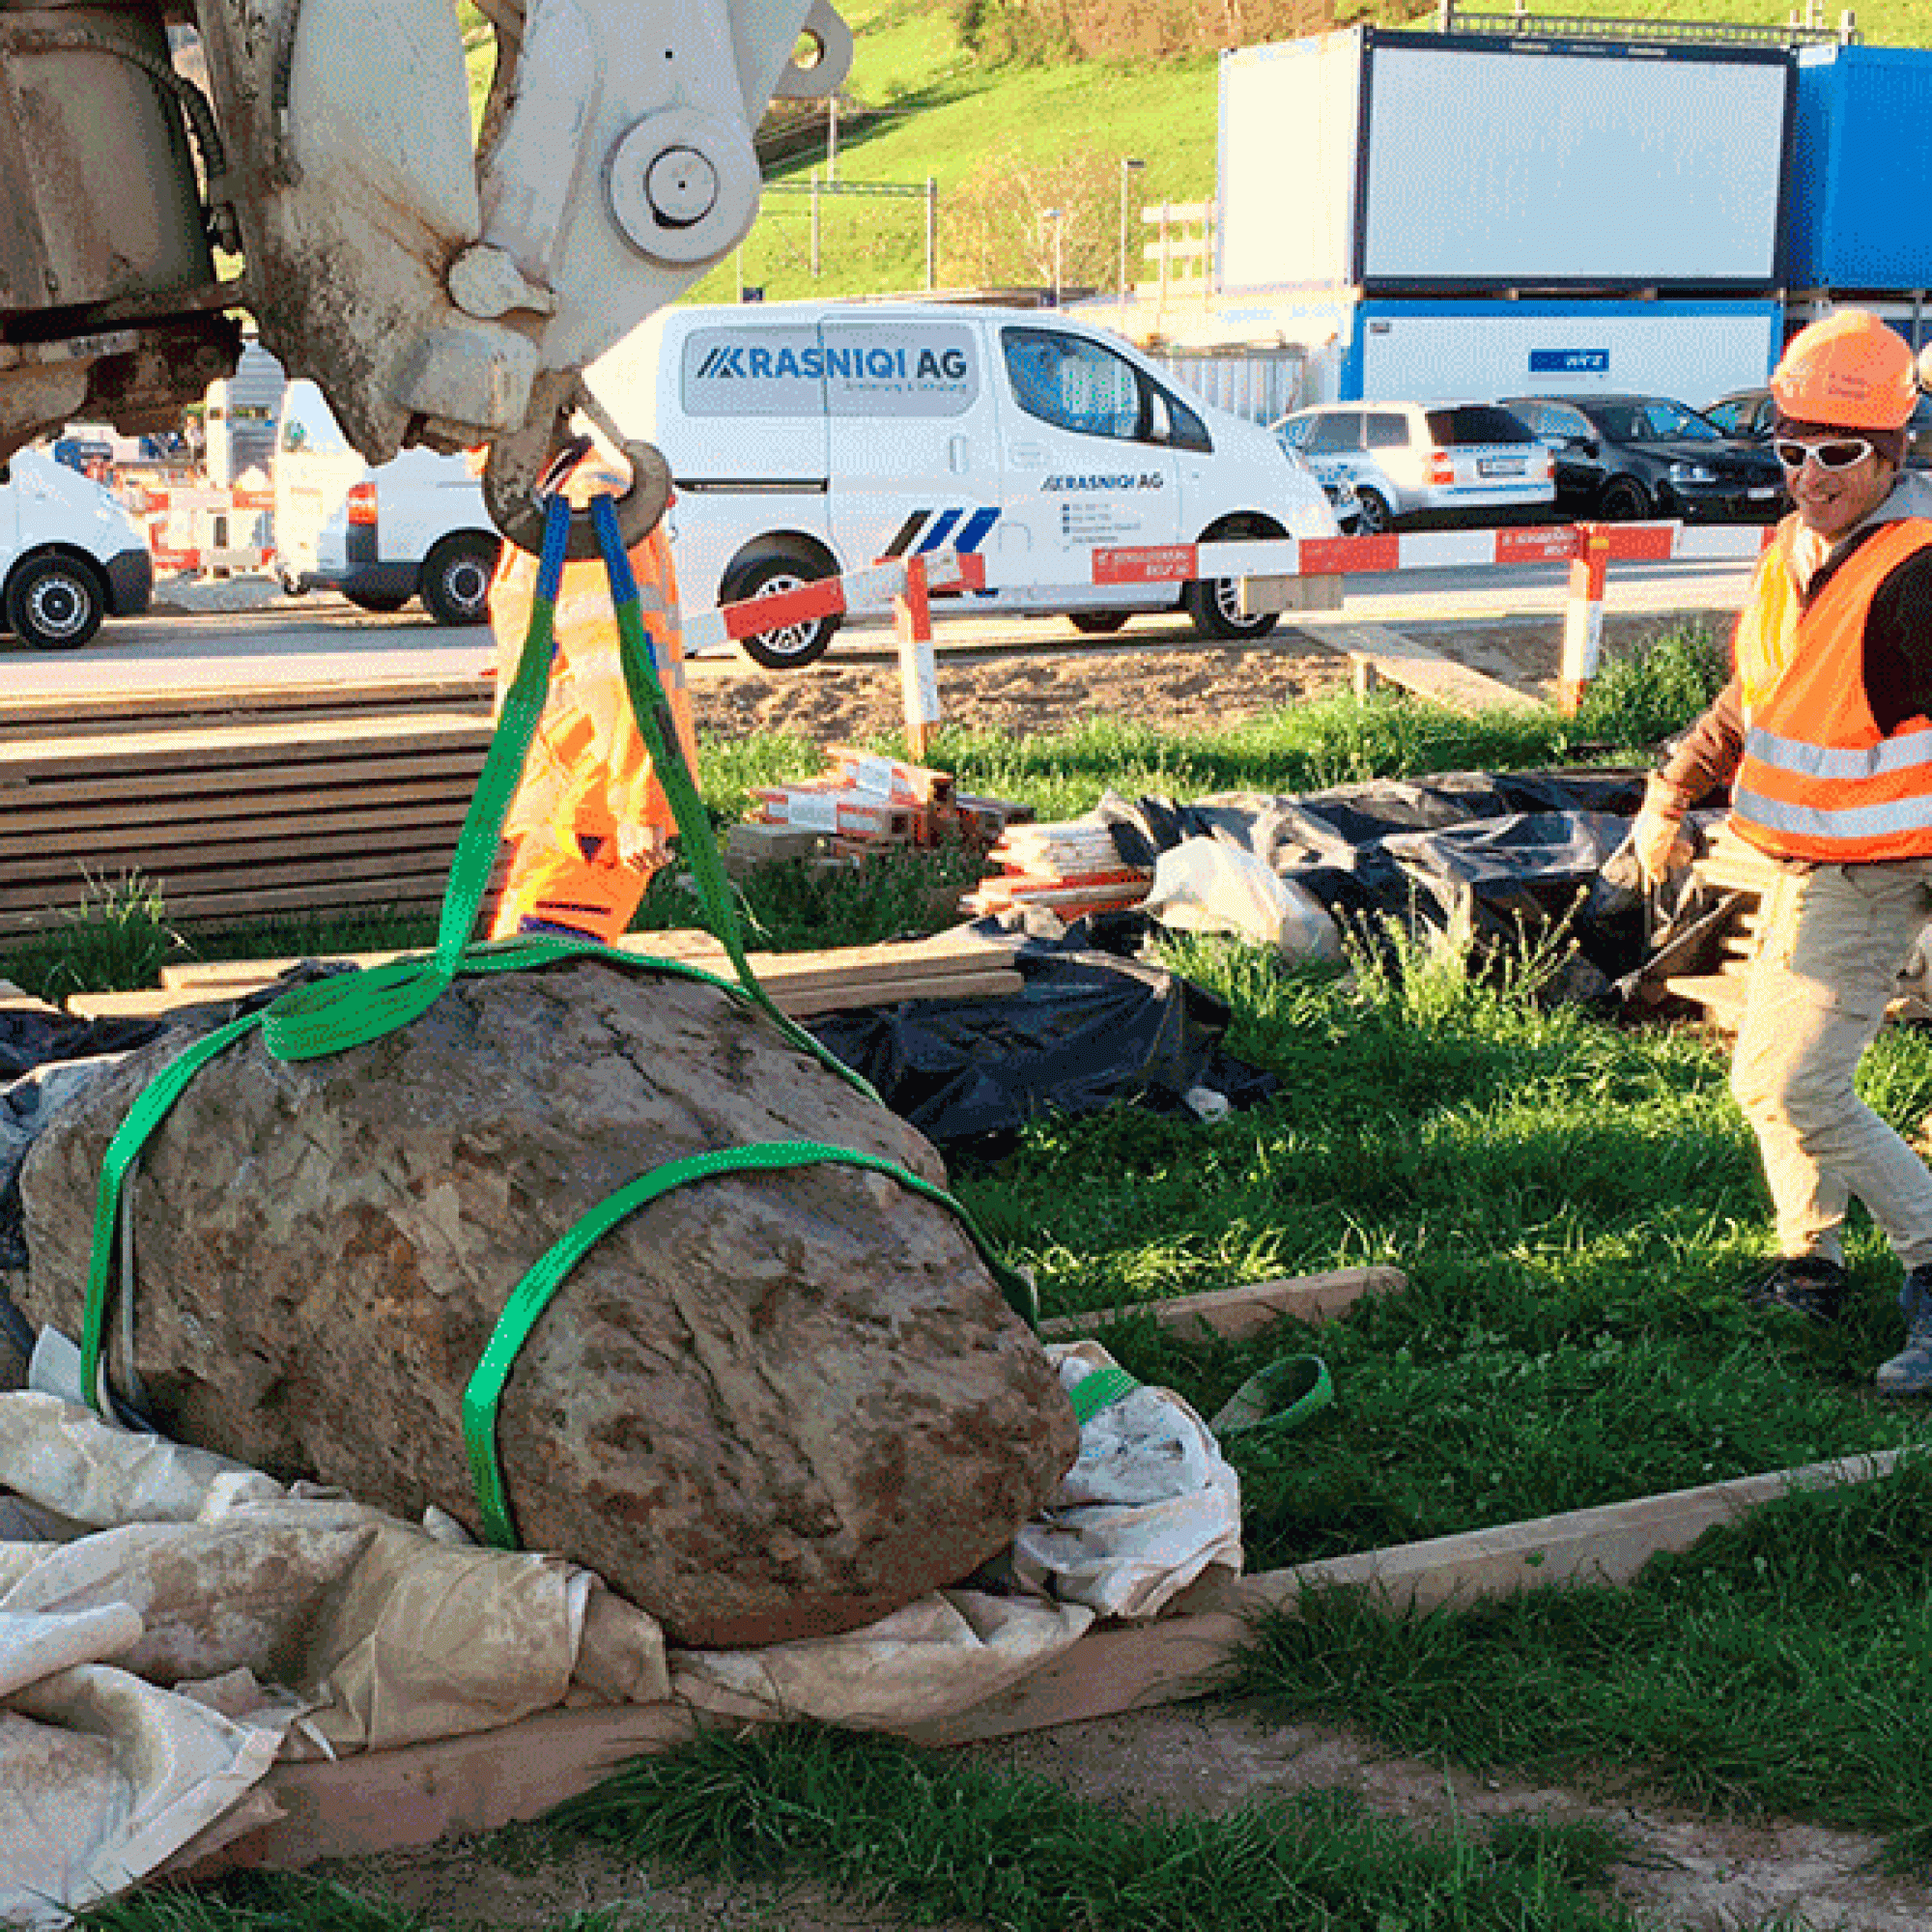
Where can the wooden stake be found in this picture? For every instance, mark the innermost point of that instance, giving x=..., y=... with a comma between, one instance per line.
x=919, y=670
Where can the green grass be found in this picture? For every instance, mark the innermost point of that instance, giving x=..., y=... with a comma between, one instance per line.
x=1781, y=1667
x=932, y=1839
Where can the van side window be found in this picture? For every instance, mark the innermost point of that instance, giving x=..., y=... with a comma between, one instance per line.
x=1385, y=429
x=1073, y=383
x=1175, y=424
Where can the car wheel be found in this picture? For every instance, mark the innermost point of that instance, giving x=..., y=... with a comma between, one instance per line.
x=792, y=647
x=55, y=603
x=1377, y=515
x=1624, y=502
x=1215, y=603
x=455, y=580
x=380, y=604
x=1097, y=623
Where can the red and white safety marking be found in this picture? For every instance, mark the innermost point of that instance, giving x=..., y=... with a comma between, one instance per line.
x=828, y=597
x=182, y=525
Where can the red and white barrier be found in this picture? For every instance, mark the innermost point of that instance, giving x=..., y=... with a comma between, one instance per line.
x=1589, y=549
x=198, y=526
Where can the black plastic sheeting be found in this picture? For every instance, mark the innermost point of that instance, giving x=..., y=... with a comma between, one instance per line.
x=1504, y=856
x=1088, y=1031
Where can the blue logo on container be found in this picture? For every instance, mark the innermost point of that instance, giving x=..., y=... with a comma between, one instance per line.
x=1569, y=361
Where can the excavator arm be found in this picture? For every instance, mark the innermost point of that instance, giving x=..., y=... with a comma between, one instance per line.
x=312, y=161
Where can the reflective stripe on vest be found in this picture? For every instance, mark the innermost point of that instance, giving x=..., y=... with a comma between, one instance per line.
x=1818, y=779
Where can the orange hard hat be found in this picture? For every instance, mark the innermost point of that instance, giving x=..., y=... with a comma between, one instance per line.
x=1851, y=371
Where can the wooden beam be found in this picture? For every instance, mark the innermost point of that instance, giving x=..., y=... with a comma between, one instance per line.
x=1242, y=1311
x=1413, y=665
x=386, y=1799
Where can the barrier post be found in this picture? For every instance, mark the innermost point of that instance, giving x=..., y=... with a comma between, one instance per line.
x=919, y=668
x=1584, y=616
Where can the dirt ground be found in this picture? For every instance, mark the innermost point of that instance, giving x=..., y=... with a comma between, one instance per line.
x=1157, y=670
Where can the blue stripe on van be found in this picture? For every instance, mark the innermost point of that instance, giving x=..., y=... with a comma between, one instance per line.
x=936, y=531
x=974, y=533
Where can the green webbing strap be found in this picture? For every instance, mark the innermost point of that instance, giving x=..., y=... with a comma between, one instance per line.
x=325, y=1017
x=534, y=1292
x=1102, y=1389
x=147, y=1111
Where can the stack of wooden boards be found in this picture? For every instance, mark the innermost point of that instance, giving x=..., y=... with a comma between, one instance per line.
x=1739, y=876
x=1072, y=868
x=955, y=965
x=304, y=798
x=863, y=800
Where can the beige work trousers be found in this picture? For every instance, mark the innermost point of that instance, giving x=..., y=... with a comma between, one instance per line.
x=1830, y=949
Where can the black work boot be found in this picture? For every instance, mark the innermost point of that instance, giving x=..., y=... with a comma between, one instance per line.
x=1909, y=1371
x=1808, y=1285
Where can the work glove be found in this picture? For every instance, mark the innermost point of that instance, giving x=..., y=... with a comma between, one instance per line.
x=1658, y=841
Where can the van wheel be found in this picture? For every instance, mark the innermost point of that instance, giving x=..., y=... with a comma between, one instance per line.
x=1097, y=623
x=794, y=645
x=55, y=603
x=1215, y=604
x=455, y=582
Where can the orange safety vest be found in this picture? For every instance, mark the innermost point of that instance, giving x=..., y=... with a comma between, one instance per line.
x=1818, y=779
x=591, y=823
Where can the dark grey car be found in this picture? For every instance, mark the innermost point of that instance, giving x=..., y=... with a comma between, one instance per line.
x=1623, y=458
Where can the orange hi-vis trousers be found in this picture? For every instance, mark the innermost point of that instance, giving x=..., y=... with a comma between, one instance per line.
x=591, y=823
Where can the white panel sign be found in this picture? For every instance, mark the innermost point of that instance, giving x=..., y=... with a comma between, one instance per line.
x=1491, y=165
x=1286, y=186
x=1691, y=357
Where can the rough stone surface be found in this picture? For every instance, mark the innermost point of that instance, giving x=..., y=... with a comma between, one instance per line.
x=762, y=1408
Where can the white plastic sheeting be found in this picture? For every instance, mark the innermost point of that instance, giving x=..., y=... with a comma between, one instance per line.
x=171, y=1623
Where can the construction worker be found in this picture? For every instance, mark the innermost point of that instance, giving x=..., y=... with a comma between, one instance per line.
x=591, y=823
x=1824, y=735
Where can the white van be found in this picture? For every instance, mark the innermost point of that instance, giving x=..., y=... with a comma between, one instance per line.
x=71, y=554
x=806, y=440
x=412, y=526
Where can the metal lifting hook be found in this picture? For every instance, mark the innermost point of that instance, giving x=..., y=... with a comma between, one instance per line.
x=520, y=464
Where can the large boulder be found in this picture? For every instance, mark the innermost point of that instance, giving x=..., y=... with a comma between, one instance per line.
x=766, y=1407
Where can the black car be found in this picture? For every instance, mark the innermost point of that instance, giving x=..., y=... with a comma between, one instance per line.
x=1750, y=414
x=1626, y=457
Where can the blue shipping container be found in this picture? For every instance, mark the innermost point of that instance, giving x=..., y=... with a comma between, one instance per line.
x=1861, y=170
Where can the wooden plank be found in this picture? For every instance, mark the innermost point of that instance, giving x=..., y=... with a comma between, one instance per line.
x=126, y=820
x=88, y=712
x=1413, y=665
x=1123, y=1667
x=190, y=844
x=279, y=745
x=1242, y=1311
x=988, y=983
x=453, y=764
x=386, y=1800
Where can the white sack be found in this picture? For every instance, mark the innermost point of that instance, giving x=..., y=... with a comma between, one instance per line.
x=945, y=1652
x=1149, y=1504
x=1211, y=885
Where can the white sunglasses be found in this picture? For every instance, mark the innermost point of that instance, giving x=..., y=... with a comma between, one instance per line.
x=1840, y=453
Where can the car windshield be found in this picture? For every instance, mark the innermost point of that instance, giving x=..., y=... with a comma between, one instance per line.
x=1477, y=422
x=1651, y=419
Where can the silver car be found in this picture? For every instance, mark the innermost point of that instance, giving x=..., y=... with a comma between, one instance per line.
x=1426, y=462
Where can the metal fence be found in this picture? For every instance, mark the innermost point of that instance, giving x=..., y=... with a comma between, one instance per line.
x=1263, y=385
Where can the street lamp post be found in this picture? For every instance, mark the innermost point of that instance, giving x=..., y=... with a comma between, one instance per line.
x=1129, y=166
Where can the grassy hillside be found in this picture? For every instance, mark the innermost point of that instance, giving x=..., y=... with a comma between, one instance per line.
x=1004, y=144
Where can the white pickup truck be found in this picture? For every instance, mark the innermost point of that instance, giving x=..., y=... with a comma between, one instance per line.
x=411, y=527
